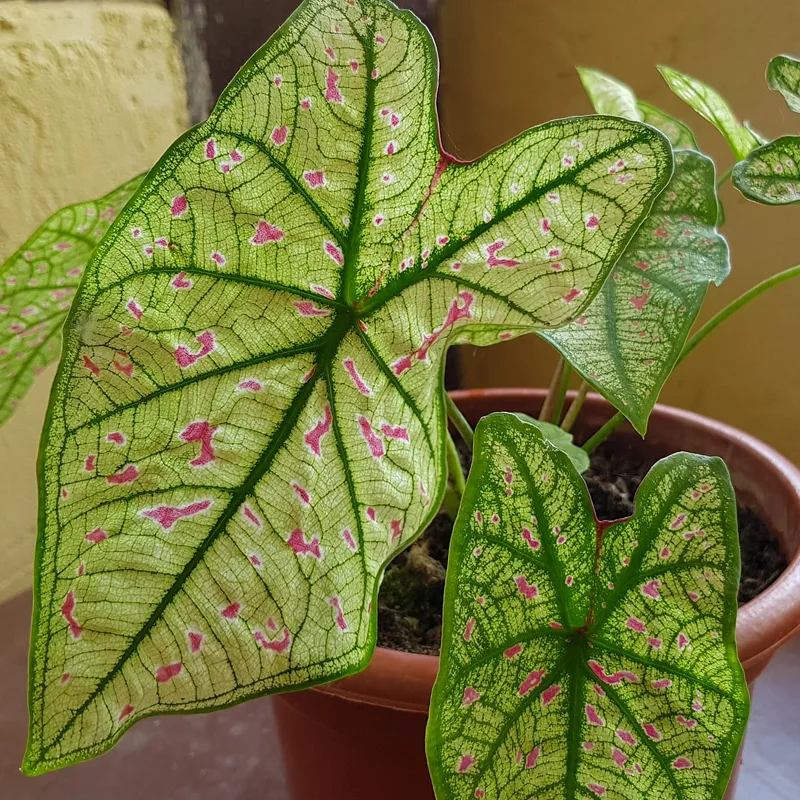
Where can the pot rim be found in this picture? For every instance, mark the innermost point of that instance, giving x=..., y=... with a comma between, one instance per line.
x=403, y=681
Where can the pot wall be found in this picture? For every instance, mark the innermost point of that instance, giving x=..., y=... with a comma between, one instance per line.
x=365, y=735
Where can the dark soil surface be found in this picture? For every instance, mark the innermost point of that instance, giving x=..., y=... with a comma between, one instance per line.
x=411, y=597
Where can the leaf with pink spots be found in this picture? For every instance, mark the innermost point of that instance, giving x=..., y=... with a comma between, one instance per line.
x=275, y=374
x=37, y=285
x=629, y=339
x=771, y=173
x=622, y=682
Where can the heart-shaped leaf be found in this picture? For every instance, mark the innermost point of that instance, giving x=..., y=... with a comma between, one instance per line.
x=38, y=283
x=248, y=422
x=783, y=75
x=610, y=96
x=771, y=174
x=574, y=671
x=629, y=339
x=711, y=106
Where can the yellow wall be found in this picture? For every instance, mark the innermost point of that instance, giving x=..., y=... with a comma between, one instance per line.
x=90, y=95
x=509, y=64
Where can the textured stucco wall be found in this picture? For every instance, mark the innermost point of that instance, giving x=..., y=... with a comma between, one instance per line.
x=508, y=65
x=90, y=95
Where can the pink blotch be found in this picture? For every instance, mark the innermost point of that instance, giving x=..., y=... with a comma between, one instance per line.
x=195, y=641
x=468, y=629
x=304, y=547
x=492, y=260
x=654, y=643
x=470, y=696
x=683, y=642
x=636, y=625
x=650, y=589
x=527, y=536
x=315, y=178
x=231, y=611
x=336, y=604
x=614, y=679
x=374, y=443
x=255, y=561
x=168, y=672
x=596, y=788
x=201, y=431
x=180, y=205
x=571, y=295
x=305, y=103
x=697, y=706
x=626, y=738
x=682, y=763
x=126, y=711
x=306, y=308
x=394, y=432
x=528, y=590
x=89, y=463
x=280, y=645
x=313, y=438
x=660, y=233
x=550, y=694
x=589, y=746
x=513, y=651
x=180, y=281
x=332, y=92
x=167, y=516
x=91, y=366
x=211, y=149
x=347, y=535
x=331, y=53
x=116, y=437
x=618, y=757
x=592, y=222
x=186, y=358
x=354, y=66
x=96, y=536
x=533, y=679
x=665, y=552
x=333, y=252
x=592, y=717
x=304, y=496
x=569, y=579
x=371, y=514
x=652, y=731
x=465, y=763
x=252, y=516
x=250, y=385
x=661, y=683
x=557, y=626
x=532, y=757
x=278, y=81
x=678, y=522
x=127, y=475
x=265, y=233
x=544, y=225
x=279, y=135
x=639, y=301
x=63, y=246
x=687, y=723
x=362, y=387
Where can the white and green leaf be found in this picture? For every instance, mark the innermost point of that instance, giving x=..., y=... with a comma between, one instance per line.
x=582, y=659
x=37, y=284
x=248, y=420
x=679, y=134
x=561, y=439
x=630, y=338
x=783, y=75
x=713, y=108
x=770, y=174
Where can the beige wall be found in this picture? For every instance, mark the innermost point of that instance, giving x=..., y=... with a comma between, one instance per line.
x=509, y=64
x=90, y=95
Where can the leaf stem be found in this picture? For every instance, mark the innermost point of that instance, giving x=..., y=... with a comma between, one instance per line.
x=724, y=177
x=459, y=420
x=575, y=407
x=553, y=391
x=751, y=294
x=562, y=394
x=455, y=480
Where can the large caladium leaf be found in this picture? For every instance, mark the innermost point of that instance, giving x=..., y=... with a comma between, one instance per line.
x=783, y=75
x=37, y=284
x=771, y=173
x=629, y=339
x=610, y=96
x=248, y=422
x=583, y=660
x=713, y=108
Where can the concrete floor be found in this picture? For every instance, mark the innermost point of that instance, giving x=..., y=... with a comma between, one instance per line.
x=234, y=754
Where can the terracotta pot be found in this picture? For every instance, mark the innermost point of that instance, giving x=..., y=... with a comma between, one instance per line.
x=367, y=732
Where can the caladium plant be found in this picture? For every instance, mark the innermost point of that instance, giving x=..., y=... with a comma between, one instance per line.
x=583, y=659
x=248, y=419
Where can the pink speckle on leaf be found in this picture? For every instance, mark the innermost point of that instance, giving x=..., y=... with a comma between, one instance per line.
x=306, y=308
x=682, y=763
x=652, y=732
x=96, y=536
x=635, y=624
x=616, y=678
x=301, y=546
x=465, y=763
x=550, y=694
x=305, y=497
x=231, y=612
x=211, y=149
x=332, y=92
x=195, y=641
x=180, y=205
x=374, y=443
x=266, y=233
x=355, y=376
x=252, y=516
x=333, y=252
x=639, y=301
x=116, y=437
x=528, y=590
x=167, y=516
x=492, y=260
x=180, y=281
x=394, y=432
x=618, y=757
x=313, y=438
x=513, y=651
x=279, y=135
x=470, y=696
x=683, y=642
x=347, y=535
x=592, y=222
x=135, y=309
x=201, y=431
x=391, y=148
x=596, y=788
x=91, y=366
x=90, y=462
x=468, y=629
x=168, y=672
x=186, y=358
x=625, y=737
x=315, y=178
x=661, y=683
x=339, y=619
x=279, y=645
x=532, y=680
x=125, y=712
x=127, y=475
x=654, y=642
x=532, y=757
x=250, y=385
x=592, y=717
x=572, y=295
x=305, y=103
x=650, y=589
x=529, y=539
x=371, y=514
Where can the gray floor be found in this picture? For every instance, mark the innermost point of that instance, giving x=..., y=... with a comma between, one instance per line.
x=234, y=754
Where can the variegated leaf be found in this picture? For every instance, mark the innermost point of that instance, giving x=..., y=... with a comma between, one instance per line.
x=771, y=174
x=629, y=339
x=37, y=284
x=711, y=106
x=679, y=134
x=248, y=421
x=783, y=75
x=585, y=660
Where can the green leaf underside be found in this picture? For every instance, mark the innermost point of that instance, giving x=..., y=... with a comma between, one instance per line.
x=783, y=75
x=610, y=96
x=629, y=339
x=770, y=174
x=561, y=439
x=37, y=284
x=711, y=106
x=558, y=683
x=280, y=433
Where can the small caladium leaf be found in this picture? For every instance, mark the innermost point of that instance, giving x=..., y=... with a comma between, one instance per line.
x=783, y=75
x=771, y=174
x=37, y=284
x=711, y=106
x=575, y=671
x=561, y=439
x=248, y=422
x=629, y=339
x=610, y=96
